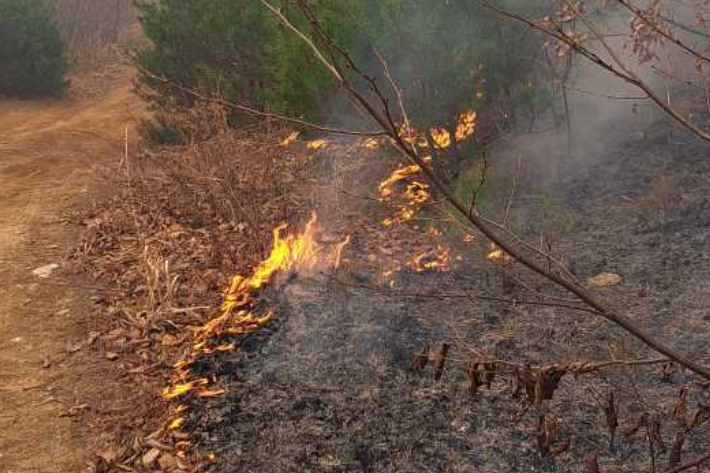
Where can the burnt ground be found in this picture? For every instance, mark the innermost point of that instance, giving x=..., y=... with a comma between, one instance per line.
x=327, y=387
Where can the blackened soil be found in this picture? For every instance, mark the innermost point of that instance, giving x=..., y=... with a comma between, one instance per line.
x=327, y=388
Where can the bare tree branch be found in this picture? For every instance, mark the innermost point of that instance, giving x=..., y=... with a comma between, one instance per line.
x=390, y=127
x=639, y=14
x=622, y=73
x=692, y=464
x=253, y=111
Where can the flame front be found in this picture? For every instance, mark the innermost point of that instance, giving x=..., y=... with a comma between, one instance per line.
x=240, y=313
x=301, y=253
x=466, y=126
x=497, y=255
x=441, y=137
x=437, y=259
x=408, y=202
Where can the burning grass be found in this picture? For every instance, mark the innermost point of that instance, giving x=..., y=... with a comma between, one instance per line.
x=166, y=246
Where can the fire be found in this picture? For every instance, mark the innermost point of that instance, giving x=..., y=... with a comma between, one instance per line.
x=290, y=139
x=317, y=144
x=418, y=192
x=177, y=423
x=399, y=174
x=408, y=134
x=300, y=252
x=371, y=143
x=497, y=255
x=180, y=389
x=240, y=313
x=466, y=125
x=441, y=137
x=410, y=200
x=434, y=232
x=437, y=259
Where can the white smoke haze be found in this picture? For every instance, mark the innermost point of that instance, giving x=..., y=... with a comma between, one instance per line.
x=604, y=109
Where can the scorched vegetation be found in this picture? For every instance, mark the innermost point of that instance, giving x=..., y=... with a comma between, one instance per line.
x=419, y=236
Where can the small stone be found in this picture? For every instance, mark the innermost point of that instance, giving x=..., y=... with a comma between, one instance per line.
x=62, y=313
x=111, y=355
x=150, y=457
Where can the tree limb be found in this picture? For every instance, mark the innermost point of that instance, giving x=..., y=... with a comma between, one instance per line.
x=390, y=128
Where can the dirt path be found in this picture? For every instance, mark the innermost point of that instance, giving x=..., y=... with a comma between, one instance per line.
x=48, y=155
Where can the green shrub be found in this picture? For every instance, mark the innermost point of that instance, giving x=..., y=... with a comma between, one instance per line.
x=216, y=46
x=447, y=56
x=32, y=60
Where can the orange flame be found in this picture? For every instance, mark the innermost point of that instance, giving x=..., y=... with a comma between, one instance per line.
x=180, y=389
x=441, y=137
x=290, y=139
x=177, y=423
x=370, y=143
x=301, y=252
x=497, y=255
x=317, y=144
x=410, y=200
x=399, y=174
x=437, y=259
x=466, y=125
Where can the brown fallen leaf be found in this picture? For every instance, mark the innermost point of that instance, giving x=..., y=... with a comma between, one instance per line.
x=150, y=457
x=75, y=410
x=604, y=280
x=111, y=355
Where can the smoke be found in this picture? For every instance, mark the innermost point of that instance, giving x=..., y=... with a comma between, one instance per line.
x=602, y=110
x=605, y=111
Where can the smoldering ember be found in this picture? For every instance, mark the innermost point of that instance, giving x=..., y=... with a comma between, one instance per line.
x=250, y=236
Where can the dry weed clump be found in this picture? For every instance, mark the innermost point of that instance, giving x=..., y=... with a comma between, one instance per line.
x=181, y=223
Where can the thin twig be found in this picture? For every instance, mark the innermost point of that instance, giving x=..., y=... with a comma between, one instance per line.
x=252, y=111
x=481, y=183
x=691, y=464
x=390, y=128
x=622, y=72
x=660, y=31
x=512, y=192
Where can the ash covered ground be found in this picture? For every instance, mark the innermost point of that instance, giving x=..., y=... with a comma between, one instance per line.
x=327, y=387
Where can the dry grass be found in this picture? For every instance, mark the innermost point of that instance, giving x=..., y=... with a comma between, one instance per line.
x=189, y=218
x=181, y=222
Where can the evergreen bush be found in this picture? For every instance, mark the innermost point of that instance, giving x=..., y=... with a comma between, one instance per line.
x=447, y=56
x=32, y=60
